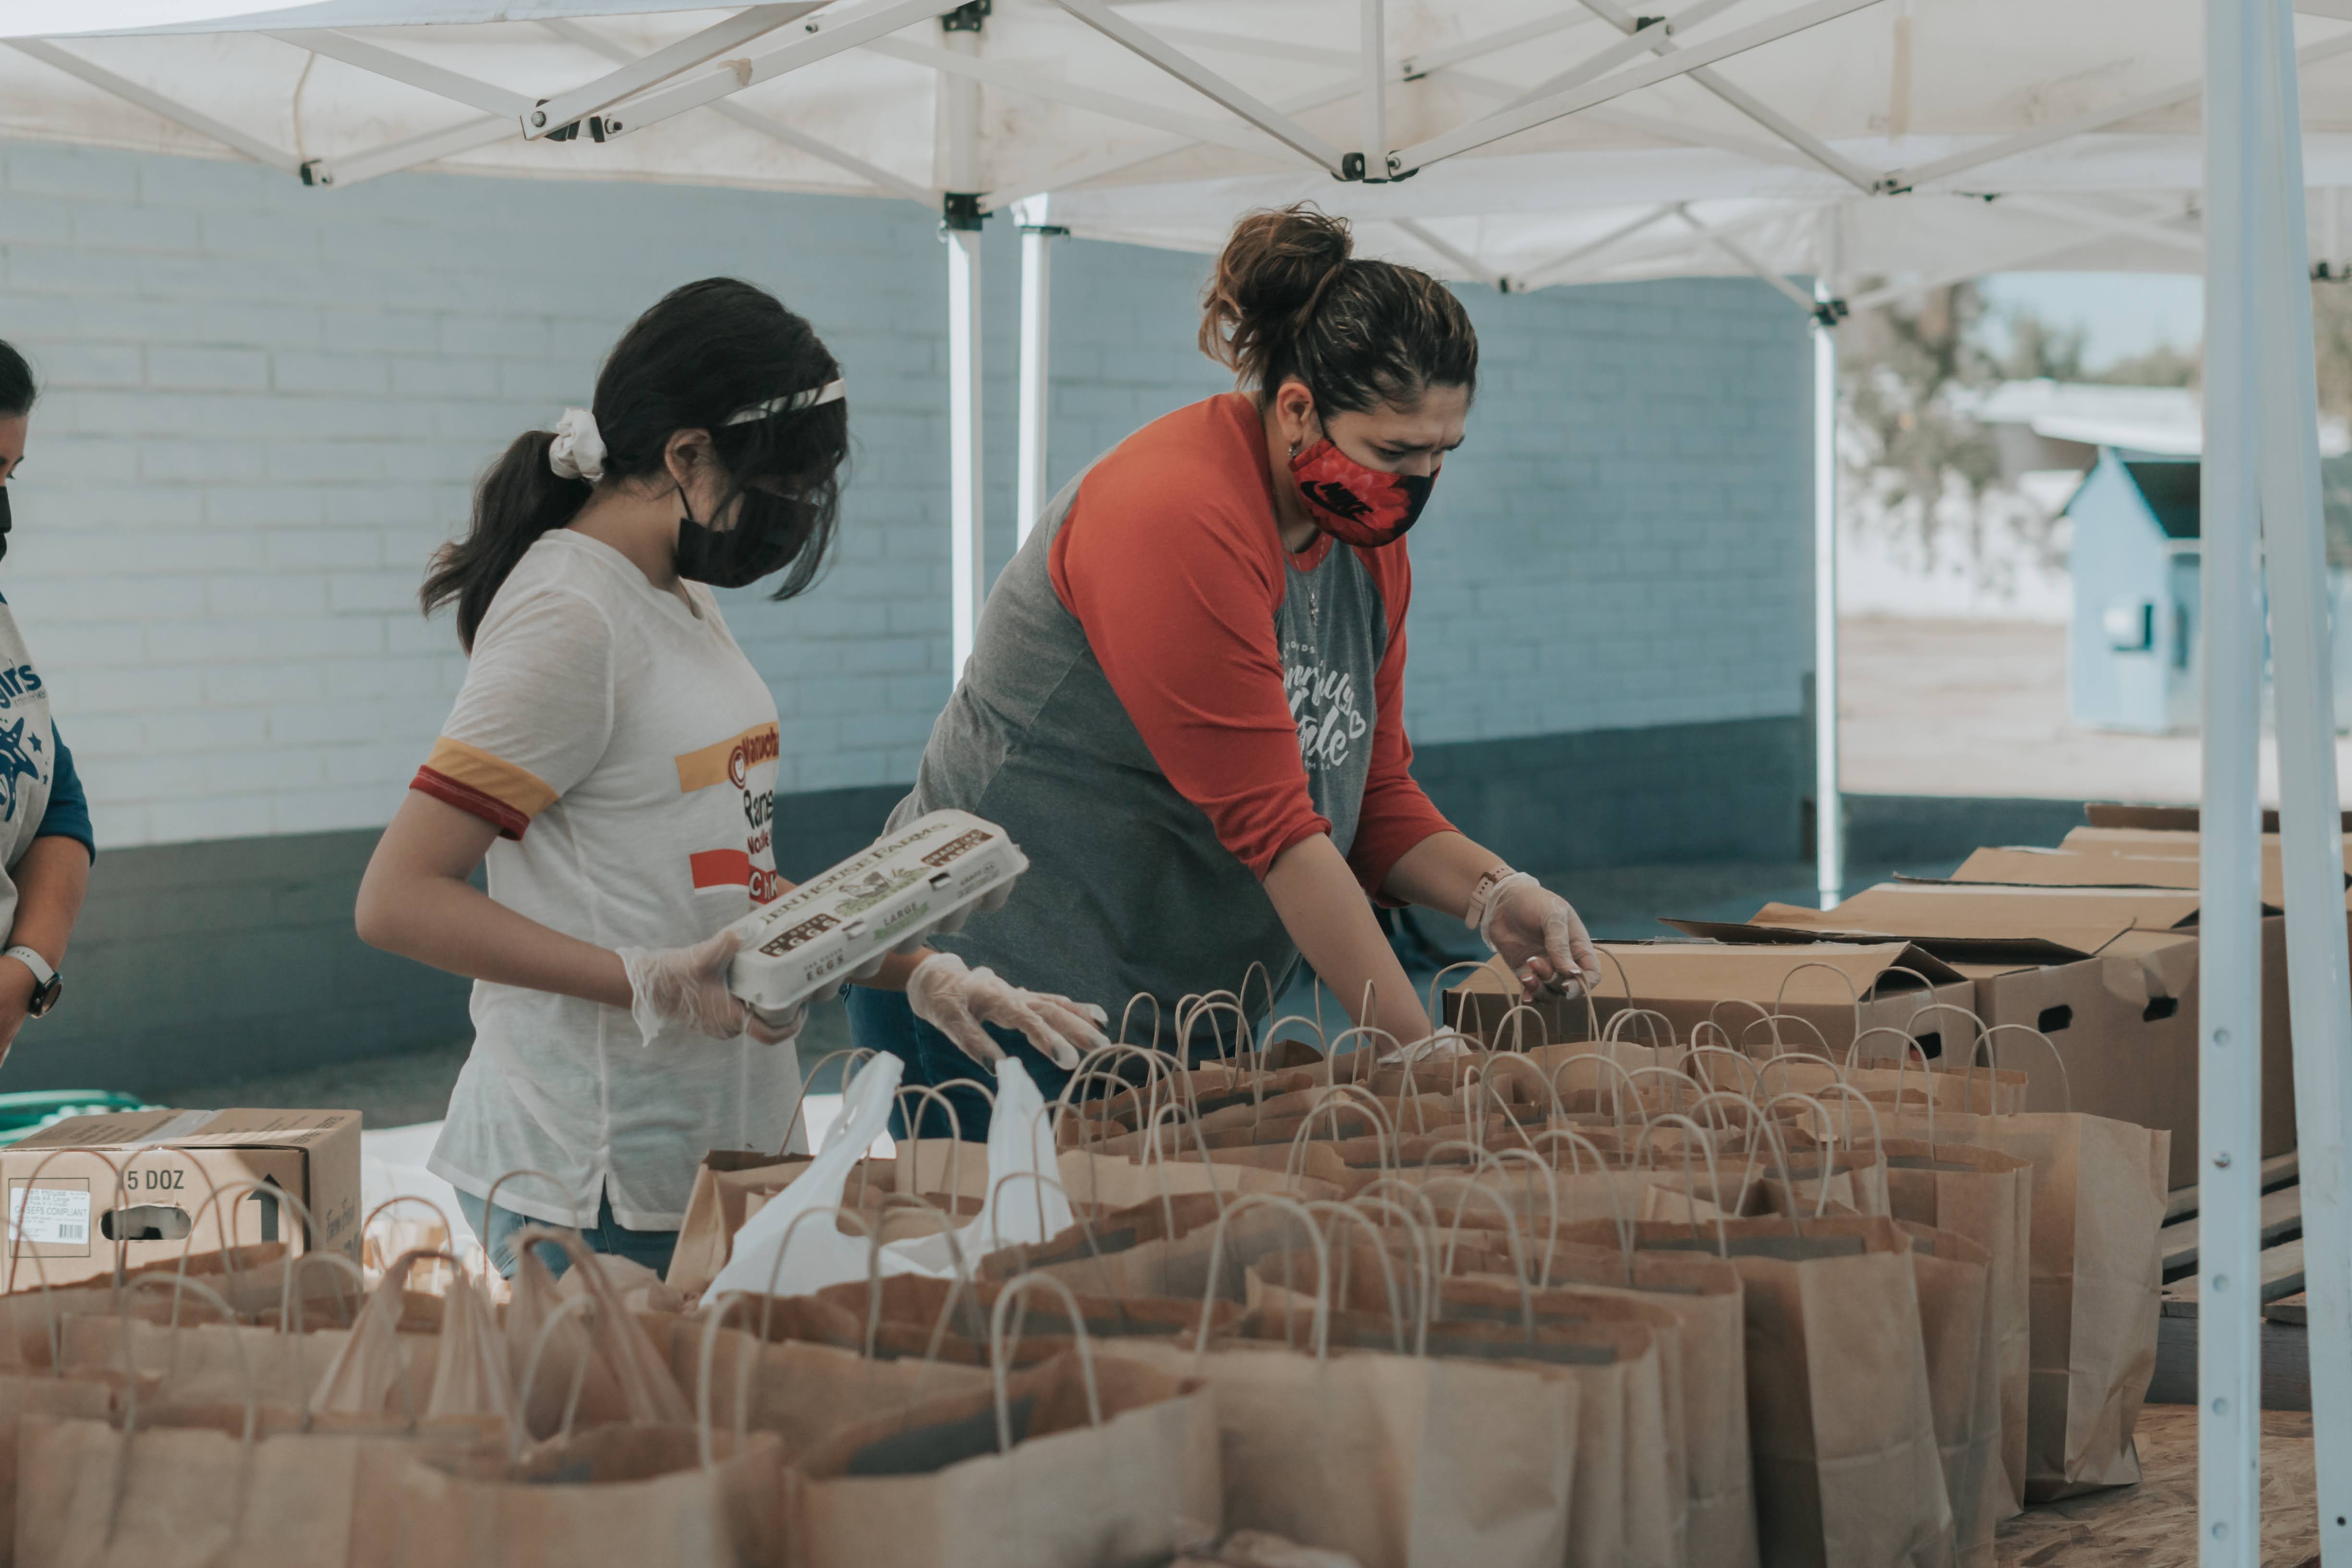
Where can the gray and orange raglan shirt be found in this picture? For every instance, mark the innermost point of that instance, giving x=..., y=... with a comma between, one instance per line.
x=1162, y=700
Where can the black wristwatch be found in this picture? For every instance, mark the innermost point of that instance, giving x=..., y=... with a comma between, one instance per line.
x=48, y=983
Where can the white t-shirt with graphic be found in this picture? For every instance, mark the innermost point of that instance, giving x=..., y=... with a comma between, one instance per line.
x=625, y=750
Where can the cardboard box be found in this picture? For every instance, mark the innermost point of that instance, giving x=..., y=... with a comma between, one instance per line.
x=2164, y=818
x=63, y=1192
x=1736, y=984
x=2101, y=867
x=2137, y=848
x=2108, y=974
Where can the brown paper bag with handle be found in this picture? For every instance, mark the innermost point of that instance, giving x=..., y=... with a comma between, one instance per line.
x=1079, y=1460
x=604, y=1369
x=1157, y=1248
x=2096, y=1280
x=1398, y=1460
x=1702, y=1293
x=1841, y=1430
x=207, y=1484
x=1953, y=1275
x=1628, y=1496
x=1987, y=1196
x=800, y=1390
x=614, y=1496
x=47, y=1395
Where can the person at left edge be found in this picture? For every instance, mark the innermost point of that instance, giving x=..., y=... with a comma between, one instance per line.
x=45, y=840
x=612, y=758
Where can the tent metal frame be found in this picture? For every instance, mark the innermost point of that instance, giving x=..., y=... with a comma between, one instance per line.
x=2260, y=474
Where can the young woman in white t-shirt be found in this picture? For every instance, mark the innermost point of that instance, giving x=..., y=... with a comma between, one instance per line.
x=613, y=757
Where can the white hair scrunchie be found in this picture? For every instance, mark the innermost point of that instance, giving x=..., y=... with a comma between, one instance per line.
x=578, y=452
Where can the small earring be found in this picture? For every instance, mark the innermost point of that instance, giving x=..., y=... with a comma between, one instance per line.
x=1294, y=449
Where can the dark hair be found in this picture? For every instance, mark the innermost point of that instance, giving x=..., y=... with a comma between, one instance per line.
x=707, y=351
x=1288, y=301
x=16, y=389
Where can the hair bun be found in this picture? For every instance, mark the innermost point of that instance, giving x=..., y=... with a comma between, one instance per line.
x=1273, y=268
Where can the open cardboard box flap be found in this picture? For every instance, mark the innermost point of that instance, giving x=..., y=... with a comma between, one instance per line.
x=2110, y=866
x=1709, y=971
x=1975, y=923
x=2166, y=818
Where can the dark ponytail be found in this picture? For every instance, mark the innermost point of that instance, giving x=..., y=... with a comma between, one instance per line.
x=1288, y=301
x=519, y=498
x=707, y=352
x=16, y=389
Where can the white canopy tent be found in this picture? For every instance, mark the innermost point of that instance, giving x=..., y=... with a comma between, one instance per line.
x=1514, y=142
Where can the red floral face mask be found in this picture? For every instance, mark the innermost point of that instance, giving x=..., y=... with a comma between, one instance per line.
x=1354, y=504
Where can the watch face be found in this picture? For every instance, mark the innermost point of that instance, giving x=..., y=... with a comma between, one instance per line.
x=45, y=997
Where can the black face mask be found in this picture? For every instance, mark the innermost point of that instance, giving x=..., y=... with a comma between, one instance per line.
x=764, y=540
x=4, y=519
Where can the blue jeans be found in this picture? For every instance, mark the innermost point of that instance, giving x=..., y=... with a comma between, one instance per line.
x=882, y=1021
x=496, y=1229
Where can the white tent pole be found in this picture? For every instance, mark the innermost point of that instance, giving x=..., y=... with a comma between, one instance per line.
x=967, y=510
x=2319, y=976
x=1037, y=239
x=1829, y=801
x=1373, y=106
x=2228, y=1018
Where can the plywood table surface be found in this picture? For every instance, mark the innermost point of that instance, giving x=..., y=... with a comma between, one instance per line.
x=2154, y=1524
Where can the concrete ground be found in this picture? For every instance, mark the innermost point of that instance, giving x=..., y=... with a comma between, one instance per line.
x=1978, y=708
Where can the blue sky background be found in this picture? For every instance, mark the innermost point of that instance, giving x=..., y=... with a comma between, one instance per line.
x=2121, y=314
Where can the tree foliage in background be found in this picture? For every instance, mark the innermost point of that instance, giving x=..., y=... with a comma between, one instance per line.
x=1917, y=465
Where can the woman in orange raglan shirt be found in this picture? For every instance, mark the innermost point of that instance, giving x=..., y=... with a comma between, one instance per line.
x=612, y=758
x=1186, y=699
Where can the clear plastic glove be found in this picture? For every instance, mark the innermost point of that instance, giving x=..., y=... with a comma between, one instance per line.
x=674, y=986
x=1442, y=1046
x=956, y=1000
x=1540, y=935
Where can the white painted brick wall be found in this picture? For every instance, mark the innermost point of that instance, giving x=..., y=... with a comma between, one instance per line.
x=265, y=405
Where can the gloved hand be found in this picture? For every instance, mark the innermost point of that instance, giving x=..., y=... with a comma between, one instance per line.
x=956, y=1000
x=1541, y=937
x=1442, y=1046
x=688, y=986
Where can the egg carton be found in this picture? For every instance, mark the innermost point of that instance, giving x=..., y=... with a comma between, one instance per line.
x=928, y=878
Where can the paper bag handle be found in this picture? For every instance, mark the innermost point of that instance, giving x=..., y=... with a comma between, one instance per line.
x=857, y=1055
x=1322, y=1320
x=1705, y=1143
x=1781, y=997
x=1511, y=1231
x=1578, y=1141
x=1993, y=1099
x=999, y=1351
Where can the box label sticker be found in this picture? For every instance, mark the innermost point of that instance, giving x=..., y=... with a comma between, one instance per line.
x=50, y=1216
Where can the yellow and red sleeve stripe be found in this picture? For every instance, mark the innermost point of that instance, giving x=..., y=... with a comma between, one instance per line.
x=476, y=783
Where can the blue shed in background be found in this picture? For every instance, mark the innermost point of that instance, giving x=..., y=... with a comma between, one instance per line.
x=2132, y=651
